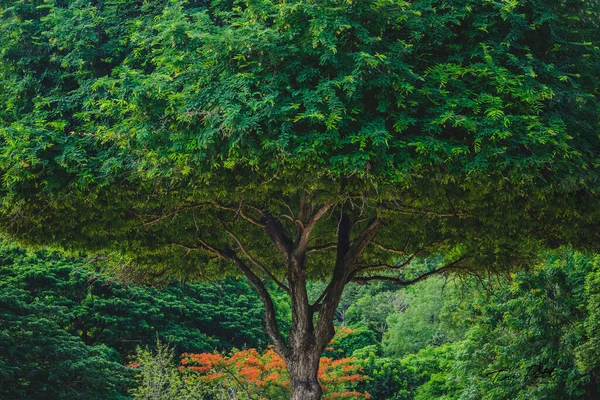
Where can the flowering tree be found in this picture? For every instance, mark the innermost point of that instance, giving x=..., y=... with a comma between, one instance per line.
x=264, y=375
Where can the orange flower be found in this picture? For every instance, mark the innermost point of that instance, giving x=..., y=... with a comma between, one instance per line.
x=264, y=374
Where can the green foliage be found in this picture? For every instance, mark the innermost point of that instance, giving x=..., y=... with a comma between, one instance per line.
x=347, y=341
x=532, y=337
x=468, y=127
x=192, y=317
x=40, y=360
x=389, y=87
x=159, y=378
x=117, y=113
x=589, y=352
x=524, y=338
x=432, y=316
x=432, y=366
x=372, y=305
x=388, y=379
x=421, y=376
x=66, y=329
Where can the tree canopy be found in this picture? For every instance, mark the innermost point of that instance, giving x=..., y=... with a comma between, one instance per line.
x=79, y=298
x=122, y=111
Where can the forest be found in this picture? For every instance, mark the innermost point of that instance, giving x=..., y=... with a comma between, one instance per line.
x=69, y=332
x=299, y=199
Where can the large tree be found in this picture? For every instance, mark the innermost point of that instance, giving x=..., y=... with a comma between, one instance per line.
x=288, y=141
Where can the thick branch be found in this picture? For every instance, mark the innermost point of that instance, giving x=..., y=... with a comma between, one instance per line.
x=306, y=228
x=347, y=253
x=275, y=231
x=271, y=326
x=330, y=297
x=403, y=264
x=359, y=244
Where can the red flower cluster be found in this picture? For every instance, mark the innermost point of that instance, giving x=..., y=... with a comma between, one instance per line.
x=264, y=374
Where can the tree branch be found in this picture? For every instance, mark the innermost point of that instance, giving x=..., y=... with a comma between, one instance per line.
x=329, y=299
x=407, y=282
x=306, y=228
x=389, y=250
x=203, y=247
x=271, y=325
x=240, y=212
x=256, y=262
x=277, y=235
x=359, y=244
x=172, y=213
x=323, y=247
x=392, y=267
x=347, y=253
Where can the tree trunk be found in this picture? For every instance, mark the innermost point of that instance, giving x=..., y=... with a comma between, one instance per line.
x=305, y=355
x=303, y=369
x=307, y=339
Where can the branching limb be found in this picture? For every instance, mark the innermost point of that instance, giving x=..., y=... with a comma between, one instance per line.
x=306, y=228
x=389, y=250
x=347, y=252
x=359, y=244
x=202, y=247
x=317, y=304
x=371, y=267
x=271, y=325
x=323, y=247
x=171, y=214
x=403, y=264
x=239, y=211
x=407, y=282
x=254, y=261
x=329, y=299
x=276, y=233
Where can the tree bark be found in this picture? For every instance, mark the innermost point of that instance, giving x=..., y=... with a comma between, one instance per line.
x=303, y=368
x=305, y=347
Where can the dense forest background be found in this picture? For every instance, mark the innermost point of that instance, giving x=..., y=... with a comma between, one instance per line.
x=68, y=332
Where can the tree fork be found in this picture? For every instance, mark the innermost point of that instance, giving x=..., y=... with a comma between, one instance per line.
x=308, y=339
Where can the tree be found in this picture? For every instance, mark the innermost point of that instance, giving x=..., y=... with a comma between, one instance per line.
x=587, y=353
x=373, y=309
x=296, y=140
x=159, y=378
x=79, y=299
x=524, y=339
x=430, y=317
x=39, y=359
